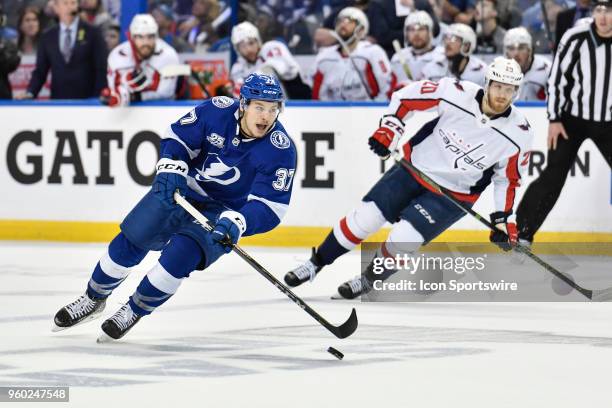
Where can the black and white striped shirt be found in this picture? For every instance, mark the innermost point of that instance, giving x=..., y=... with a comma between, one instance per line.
x=580, y=82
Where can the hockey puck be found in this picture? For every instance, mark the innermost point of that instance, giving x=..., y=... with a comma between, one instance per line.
x=560, y=287
x=335, y=353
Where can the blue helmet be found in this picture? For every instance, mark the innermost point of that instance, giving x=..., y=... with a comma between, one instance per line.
x=262, y=88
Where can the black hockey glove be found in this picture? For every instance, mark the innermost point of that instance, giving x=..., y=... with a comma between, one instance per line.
x=508, y=236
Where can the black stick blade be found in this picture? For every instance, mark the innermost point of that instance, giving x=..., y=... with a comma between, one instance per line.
x=347, y=328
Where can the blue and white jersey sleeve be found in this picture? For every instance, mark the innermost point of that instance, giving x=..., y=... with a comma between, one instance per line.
x=183, y=139
x=269, y=197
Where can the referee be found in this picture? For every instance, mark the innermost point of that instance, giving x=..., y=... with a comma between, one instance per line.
x=579, y=107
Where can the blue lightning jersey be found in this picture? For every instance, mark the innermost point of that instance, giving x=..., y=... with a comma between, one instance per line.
x=251, y=176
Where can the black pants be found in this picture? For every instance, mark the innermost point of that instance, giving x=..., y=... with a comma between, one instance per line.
x=542, y=194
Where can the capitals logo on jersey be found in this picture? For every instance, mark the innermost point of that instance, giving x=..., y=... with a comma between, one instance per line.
x=463, y=151
x=214, y=170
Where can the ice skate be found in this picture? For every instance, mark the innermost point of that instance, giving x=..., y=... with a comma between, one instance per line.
x=80, y=311
x=353, y=288
x=118, y=324
x=304, y=272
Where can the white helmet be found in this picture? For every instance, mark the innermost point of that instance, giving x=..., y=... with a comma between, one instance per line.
x=143, y=24
x=517, y=36
x=506, y=71
x=418, y=18
x=363, y=25
x=467, y=35
x=244, y=31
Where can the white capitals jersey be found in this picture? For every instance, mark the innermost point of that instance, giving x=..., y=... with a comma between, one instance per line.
x=121, y=63
x=462, y=149
x=273, y=58
x=415, y=63
x=439, y=68
x=535, y=79
x=337, y=79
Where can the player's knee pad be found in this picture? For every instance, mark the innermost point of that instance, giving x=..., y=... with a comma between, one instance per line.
x=150, y=224
x=404, y=238
x=181, y=256
x=361, y=222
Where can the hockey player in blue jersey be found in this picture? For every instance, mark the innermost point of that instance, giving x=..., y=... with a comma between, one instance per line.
x=234, y=162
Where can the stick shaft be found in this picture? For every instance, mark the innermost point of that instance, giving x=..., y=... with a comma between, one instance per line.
x=520, y=248
x=339, y=332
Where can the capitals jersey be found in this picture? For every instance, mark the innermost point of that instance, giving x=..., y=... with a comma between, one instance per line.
x=462, y=149
x=535, y=79
x=273, y=55
x=474, y=70
x=337, y=79
x=414, y=61
x=248, y=175
x=122, y=61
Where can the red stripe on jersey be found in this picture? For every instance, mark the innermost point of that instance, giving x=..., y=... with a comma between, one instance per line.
x=513, y=177
x=468, y=198
x=385, y=252
x=371, y=80
x=393, y=85
x=408, y=105
x=154, y=83
x=117, y=80
x=347, y=232
x=316, y=84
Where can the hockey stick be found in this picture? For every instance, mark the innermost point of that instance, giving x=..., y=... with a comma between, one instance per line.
x=596, y=295
x=350, y=57
x=342, y=331
x=175, y=70
x=398, y=50
x=183, y=70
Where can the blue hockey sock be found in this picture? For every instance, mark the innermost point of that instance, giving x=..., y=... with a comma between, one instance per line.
x=330, y=250
x=178, y=260
x=114, y=267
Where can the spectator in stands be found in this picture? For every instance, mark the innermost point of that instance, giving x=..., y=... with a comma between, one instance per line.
x=567, y=18
x=458, y=11
x=13, y=8
x=6, y=33
x=164, y=17
x=93, y=12
x=509, y=13
x=28, y=25
x=112, y=34
x=134, y=66
x=355, y=69
x=379, y=26
x=490, y=34
x=75, y=53
x=113, y=7
x=9, y=60
x=208, y=23
x=542, y=29
x=457, y=60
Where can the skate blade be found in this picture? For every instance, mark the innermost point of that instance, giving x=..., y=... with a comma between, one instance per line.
x=104, y=338
x=57, y=328
x=338, y=296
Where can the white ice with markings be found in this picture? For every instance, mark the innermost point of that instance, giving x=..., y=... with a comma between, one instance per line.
x=229, y=338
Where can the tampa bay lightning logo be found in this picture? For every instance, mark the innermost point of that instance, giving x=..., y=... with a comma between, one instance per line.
x=280, y=140
x=214, y=170
x=222, y=101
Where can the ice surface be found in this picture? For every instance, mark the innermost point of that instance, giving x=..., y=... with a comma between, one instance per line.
x=231, y=339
